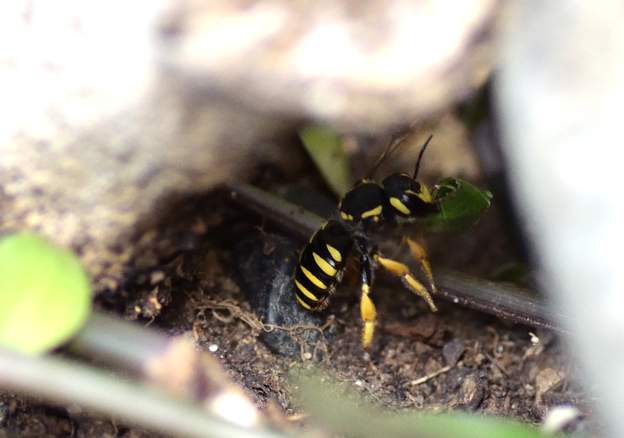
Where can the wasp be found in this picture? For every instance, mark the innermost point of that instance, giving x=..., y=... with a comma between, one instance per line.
x=367, y=206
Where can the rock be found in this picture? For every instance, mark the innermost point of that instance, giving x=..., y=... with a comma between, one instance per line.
x=108, y=137
x=546, y=380
x=267, y=279
x=562, y=418
x=452, y=351
x=367, y=75
x=119, y=126
x=471, y=393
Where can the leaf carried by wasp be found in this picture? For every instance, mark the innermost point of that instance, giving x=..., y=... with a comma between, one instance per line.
x=45, y=296
x=461, y=204
x=326, y=150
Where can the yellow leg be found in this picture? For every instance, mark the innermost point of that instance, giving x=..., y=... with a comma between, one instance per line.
x=401, y=270
x=368, y=313
x=419, y=253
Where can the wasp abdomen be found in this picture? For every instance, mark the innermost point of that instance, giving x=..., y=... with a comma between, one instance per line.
x=321, y=265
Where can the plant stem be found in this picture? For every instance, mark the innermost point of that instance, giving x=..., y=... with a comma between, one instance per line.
x=172, y=363
x=62, y=381
x=120, y=342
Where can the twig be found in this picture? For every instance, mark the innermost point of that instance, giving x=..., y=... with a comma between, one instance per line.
x=428, y=377
x=497, y=365
x=62, y=381
x=503, y=300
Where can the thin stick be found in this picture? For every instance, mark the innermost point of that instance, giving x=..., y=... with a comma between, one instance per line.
x=428, y=377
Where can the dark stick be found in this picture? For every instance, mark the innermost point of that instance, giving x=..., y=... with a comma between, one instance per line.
x=502, y=300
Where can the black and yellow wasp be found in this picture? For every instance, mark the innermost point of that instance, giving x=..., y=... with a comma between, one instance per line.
x=368, y=205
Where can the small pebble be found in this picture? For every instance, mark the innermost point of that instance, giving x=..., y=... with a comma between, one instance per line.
x=213, y=348
x=452, y=351
x=534, y=339
x=156, y=277
x=4, y=413
x=471, y=393
x=546, y=380
x=559, y=417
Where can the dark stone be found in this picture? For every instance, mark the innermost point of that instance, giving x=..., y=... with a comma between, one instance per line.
x=452, y=351
x=266, y=265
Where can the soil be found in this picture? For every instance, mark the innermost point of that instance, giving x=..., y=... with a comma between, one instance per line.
x=454, y=359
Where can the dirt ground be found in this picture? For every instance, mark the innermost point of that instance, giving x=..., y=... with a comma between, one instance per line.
x=454, y=359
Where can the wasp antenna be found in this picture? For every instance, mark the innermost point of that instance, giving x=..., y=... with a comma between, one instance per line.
x=392, y=146
x=420, y=155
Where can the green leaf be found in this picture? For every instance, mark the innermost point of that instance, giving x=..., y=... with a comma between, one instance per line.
x=461, y=204
x=45, y=295
x=352, y=417
x=326, y=150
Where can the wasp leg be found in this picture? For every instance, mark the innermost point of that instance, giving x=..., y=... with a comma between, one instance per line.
x=420, y=254
x=368, y=311
x=402, y=270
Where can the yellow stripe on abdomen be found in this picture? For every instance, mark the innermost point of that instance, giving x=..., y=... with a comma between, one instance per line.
x=325, y=267
x=335, y=254
x=313, y=278
x=303, y=303
x=305, y=291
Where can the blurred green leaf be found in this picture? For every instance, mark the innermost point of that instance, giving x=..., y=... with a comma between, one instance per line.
x=461, y=204
x=45, y=295
x=325, y=148
x=354, y=418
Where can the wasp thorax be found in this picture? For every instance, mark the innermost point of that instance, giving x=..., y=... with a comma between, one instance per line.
x=364, y=203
